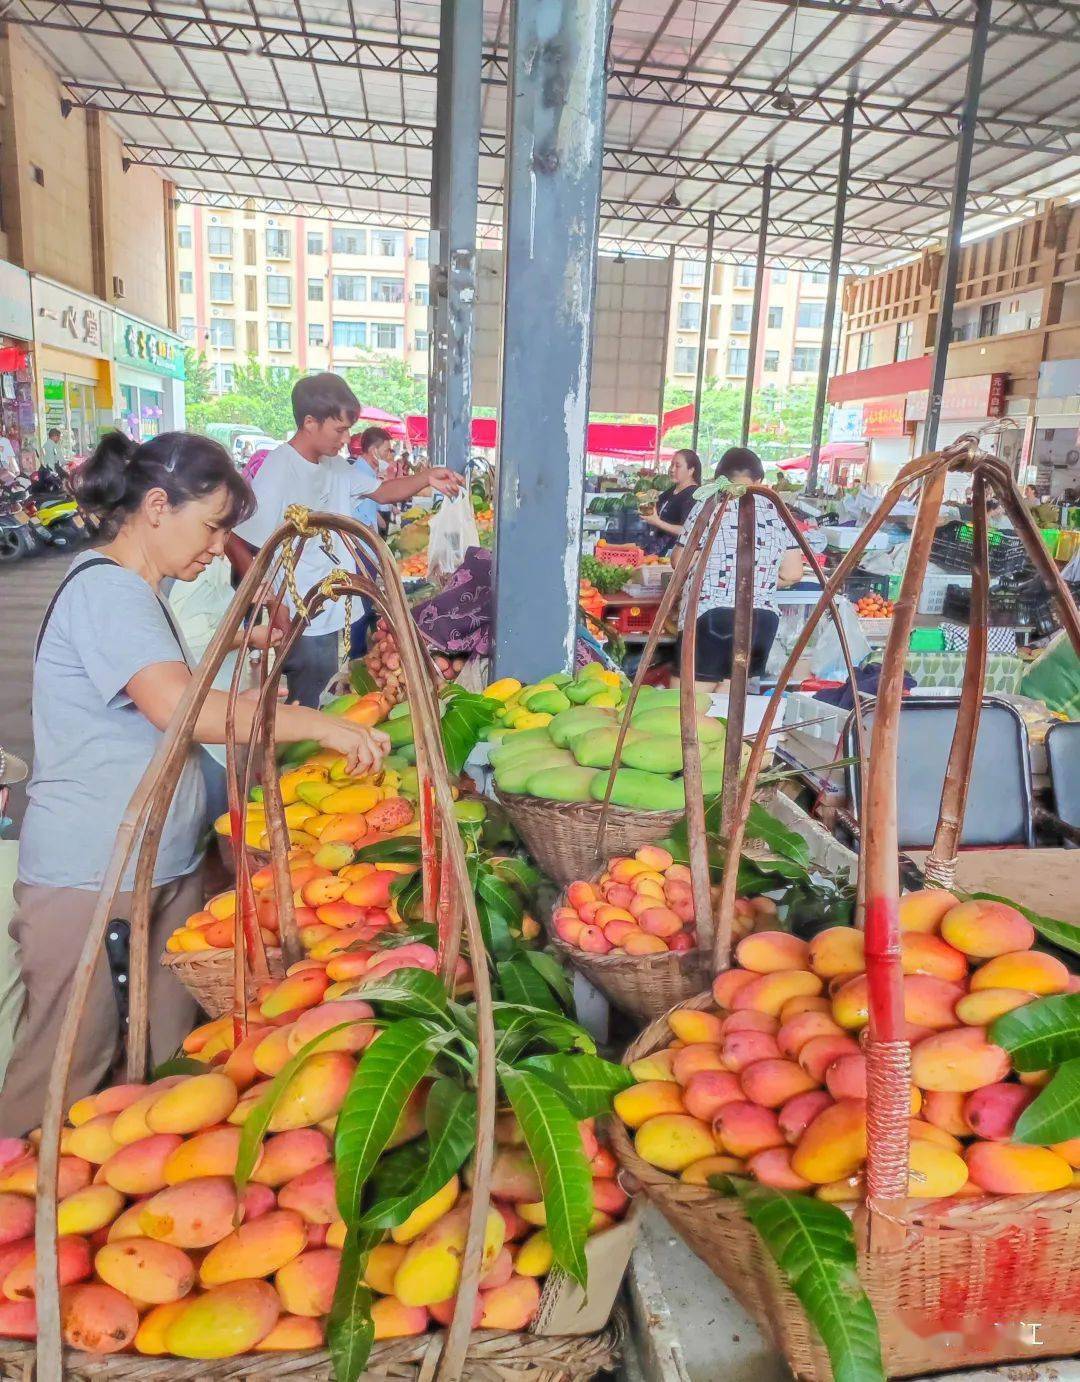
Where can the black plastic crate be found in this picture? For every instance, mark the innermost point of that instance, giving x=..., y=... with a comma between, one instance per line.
x=954, y=546
x=861, y=583
x=1023, y=606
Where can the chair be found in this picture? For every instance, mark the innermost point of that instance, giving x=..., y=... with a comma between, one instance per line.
x=1063, y=760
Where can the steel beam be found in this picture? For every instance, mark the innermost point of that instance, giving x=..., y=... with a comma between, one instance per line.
x=703, y=330
x=553, y=174
x=825, y=359
x=454, y=192
x=755, y=311
x=1024, y=18
x=947, y=287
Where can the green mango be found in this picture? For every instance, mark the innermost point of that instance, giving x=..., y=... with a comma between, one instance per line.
x=399, y=730
x=581, y=692
x=655, y=697
x=520, y=742
x=397, y=711
x=470, y=812
x=590, y=670
x=407, y=751
x=712, y=782
x=665, y=720
x=299, y=752
x=568, y=724
x=410, y=781
x=654, y=753
x=258, y=794
x=561, y=784
x=392, y=763
x=548, y=702
x=513, y=777
x=340, y=704
x=560, y=679
x=596, y=747
x=641, y=791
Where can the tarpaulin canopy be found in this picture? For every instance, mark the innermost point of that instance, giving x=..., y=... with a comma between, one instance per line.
x=376, y=417
x=629, y=441
x=830, y=452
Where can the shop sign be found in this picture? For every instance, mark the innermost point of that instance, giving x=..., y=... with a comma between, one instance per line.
x=846, y=423
x=884, y=417
x=69, y=321
x=147, y=347
x=963, y=400
x=16, y=315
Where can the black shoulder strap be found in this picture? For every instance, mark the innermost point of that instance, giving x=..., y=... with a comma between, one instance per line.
x=77, y=571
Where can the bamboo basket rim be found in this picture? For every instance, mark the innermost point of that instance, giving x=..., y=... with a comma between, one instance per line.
x=584, y=808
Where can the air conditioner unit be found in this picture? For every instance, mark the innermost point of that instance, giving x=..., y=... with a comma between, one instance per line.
x=270, y=221
x=117, y=286
x=215, y=220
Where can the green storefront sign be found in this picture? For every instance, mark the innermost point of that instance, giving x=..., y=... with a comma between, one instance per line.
x=143, y=347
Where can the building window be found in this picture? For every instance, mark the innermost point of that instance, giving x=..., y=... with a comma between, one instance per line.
x=811, y=316
x=390, y=244
x=420, y=248
x=221, y=287
x=689, y=316
x=819, y=279
x=738, y=357
x=420, y=340
x=350, y=287
x=219, y=240
x=279, y=335
x=421, y=295
x=866, y=348
x=350, y=335
x=183, y=237
x=903, y=341
x=187, y=328
x=223, y=333
x=278, y=290
x=316, y=333
x=315, y=242
x=187, y=281
x=804, y=359
x=389, y=336
x=691, y=273
x=686, y=359
x=772, y=361
x=775, y=318
x=388, y=290
x=989, y=313
x=278, y=244
x=224, y=375
x=349, y=240
x=279, y=373
x=779, y=277
x=315, y=290
x=744, y=276
x=740, y=317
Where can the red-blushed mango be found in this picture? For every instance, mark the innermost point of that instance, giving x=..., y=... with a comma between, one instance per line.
x=794, y=1035
x=726, y=985
x=804, y=1003
x=92, y=1140
x=690, y=1026
x=1069, y=1150
x=20, y=1177
x=327, y=1016
x=312, y=1195
x=959, y=1060
x=199, y=1102
x=750, y=1021
x=769, y=992
x=743, y=1130
x=195, y=1214
x=771, y=1083
x=87, y=1210
x=766, y=952
x=819, y=1052
x=1030, y=970
x=846, y=1076
x=225, y=1321
x=981, y=1008
x=292, y=1334
x=707, y=1092
x=660, y=921
x=500, y=1272
x=272, y=1054
x=16, y=1218
x=923, y=953
x=647, y=1100
x=256, y=1201
x=833, y=1147
x=349, y=966
x=698, y=1172
x=291, y=1154
x=927, y=1132
x=139, y=1167
x=992, y=1111
x=148, y=1271
x=394, y=1320
x=513, y=1175
x=1012, y=1168
x=642, y=944
x=673, y=1141
x=657, y=1066
x=983, y=929
x=837, y=953
x=702, y=1055
x=382, y=1264
x=315, y=1092
x=255, y=1249
x=923, y=910
x=302, y=990
x=240, y=1065
x=150, y=1340
x=13, y=1149
x=126, y=1225
x=608, y=1196
x=511, y=1306
x=431, y=1268
x=306, y=1285
x=210, y=1153
x=18, y=1319
x=743, y=1048
x=773, y=1167
x=931, y=1002
x=934, y=1172
x=95, y=1318
x=430, y=1211
x=799, y=1112
x=945, y=1110
x=74, y=1263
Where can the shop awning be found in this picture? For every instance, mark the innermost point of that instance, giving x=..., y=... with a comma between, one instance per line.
x=626, y=441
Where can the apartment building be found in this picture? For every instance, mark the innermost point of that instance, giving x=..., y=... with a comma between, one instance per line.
x=287, y=291
x=789, y=344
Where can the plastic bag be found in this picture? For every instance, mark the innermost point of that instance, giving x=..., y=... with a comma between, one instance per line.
x=1054, y=679
x=825, y=654
x=453, y=532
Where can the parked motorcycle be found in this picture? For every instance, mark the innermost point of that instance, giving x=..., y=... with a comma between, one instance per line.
x=17, y=538
x=55, y=509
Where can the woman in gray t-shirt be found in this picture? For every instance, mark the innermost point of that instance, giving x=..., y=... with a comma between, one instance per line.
x=110, y=670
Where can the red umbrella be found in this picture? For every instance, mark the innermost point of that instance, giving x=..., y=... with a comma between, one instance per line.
x=376, y=417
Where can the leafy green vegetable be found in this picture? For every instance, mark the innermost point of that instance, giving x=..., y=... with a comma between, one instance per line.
x=1042, y=1034
x=606, y=578
x=1054, y=1114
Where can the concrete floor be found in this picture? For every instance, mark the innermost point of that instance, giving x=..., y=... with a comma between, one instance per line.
x=26, y=587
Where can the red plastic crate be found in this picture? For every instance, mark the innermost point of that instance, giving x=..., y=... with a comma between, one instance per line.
x=634, y=618
x=619, y=556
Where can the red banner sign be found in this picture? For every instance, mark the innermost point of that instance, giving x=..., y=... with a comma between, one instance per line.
x=980, y=396
x=884, y=417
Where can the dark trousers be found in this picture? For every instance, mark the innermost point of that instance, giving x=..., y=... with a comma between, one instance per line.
x=312, y=663
x=715, y=649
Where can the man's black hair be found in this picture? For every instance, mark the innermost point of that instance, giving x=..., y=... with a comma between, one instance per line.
x=323, y=396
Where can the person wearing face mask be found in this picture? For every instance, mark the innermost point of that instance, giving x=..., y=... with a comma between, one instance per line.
x=110, y=670
x=674, y=505
x=309, y=470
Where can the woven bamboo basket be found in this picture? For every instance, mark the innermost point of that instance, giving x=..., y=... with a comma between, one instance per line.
x=955, y=1283
x=208, y=976
x=448, y=905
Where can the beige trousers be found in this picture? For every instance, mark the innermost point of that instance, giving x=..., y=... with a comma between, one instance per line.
x=50, y=928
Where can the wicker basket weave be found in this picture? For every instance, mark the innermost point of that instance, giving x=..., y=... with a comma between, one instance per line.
x=208, y=976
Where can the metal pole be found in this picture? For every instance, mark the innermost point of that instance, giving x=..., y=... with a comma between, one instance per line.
x=663, y=360
x=455, y=174
x=759, y=291
x=554, y=158
x=961, y=172
x=703, y=330
x=825, y=362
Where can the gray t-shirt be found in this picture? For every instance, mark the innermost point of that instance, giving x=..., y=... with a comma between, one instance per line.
x=91, y=744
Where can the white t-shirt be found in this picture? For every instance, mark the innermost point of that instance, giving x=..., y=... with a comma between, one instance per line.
x=8, y=459
x=331, y=486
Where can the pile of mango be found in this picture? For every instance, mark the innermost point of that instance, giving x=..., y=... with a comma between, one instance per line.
x=772, y=1083
x=160, y=1255
x=535, y=705
x=568, y=757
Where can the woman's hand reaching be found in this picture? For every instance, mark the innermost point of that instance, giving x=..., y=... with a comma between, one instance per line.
x=364, y=748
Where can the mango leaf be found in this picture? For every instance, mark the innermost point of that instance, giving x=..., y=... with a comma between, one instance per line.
x=785, y=843
x=513, y=870
x=520, y=983
x=554, y=1142
x=1054, y=1114
x=1042, y=1034
x=553, y=974
x=813, y=1244
x=179, y=1065
x=587, y=1083
x=350, y=1330
x=1060, y=933
x=518, y=1026
x=465, y=719
x=397, y=1171
x=498, y=909
x=408, y=993
x=408, y=895
x=388, y=1072
x=404, y=850
x=360, y=678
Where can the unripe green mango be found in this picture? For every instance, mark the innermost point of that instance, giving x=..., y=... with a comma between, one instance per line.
x=581, y=692
x=641, y=791
x=656, y=698
x=548, y=702
x=398, y=730
x=654, y=753
x=665, y=720
x=596, y=748
x=578, y=719
x=562, y=784
x=513, y=777
x=522, y=741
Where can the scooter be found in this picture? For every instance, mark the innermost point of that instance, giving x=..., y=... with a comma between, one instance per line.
x=40, y=534
x=55, y=509
x=16, y=537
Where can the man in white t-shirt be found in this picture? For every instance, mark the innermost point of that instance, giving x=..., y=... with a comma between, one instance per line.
x=308, y=470
x=9, y=462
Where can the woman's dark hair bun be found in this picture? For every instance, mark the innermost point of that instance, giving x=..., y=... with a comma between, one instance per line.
x=100, y=482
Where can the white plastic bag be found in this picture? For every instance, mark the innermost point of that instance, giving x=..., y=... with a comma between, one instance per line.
x=825, y=654
x=453, y=531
